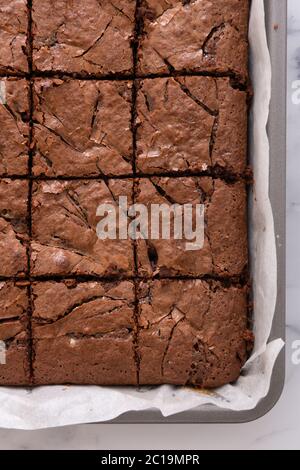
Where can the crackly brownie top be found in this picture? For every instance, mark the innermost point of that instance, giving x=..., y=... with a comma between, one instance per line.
x=190, y=124
x=88, y=308
x=13, y=227
x=14, y=135
x=14, y=333
x=191, y=332
x=13, y=311
x=83, y=333
x=195, y=35
x=92, y=37
x=225, y=251
x=13, y=36
x=86, y=121
x=64, y=225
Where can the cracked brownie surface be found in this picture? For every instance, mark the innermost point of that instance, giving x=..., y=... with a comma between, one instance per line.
x=145, y=100
x=14, y=135
x=92, y=37
x=13, y=36
x=64, y=229
x=82, y=128
x=14, y=356
x=191, y=124
x=195, y=35
x=83, y=333
x=13, y=227
x=191, y=332
x=225, y=250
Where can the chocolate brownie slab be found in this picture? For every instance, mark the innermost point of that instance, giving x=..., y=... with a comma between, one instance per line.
x=224, y=252
x=14, y=135
x=14, y=353
x=13, y=36
x=191, y=332
x=64, y=229
x=91, y=37
x=13, y=227
x=83, y=333
x=191, y=124
x=195, y=36
x=82, y=128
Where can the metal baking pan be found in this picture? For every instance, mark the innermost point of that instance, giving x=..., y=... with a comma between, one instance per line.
x=276, y=24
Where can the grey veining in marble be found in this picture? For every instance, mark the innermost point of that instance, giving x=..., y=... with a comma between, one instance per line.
x=280, y=429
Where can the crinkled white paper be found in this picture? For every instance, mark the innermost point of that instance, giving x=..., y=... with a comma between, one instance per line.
x=58, y=406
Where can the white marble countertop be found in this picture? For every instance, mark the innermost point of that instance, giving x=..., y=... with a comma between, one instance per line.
x=280, y=429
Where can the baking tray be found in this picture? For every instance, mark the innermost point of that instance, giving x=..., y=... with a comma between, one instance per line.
x=276, y=24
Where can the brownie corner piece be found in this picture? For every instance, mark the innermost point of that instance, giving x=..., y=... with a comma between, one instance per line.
x=14, y=338
x=86, y=121
x=13, y=36
x=14, y=230
x=191, y=124
x=191, y=332
x=14, y=135
x=92, y=37
x=83, y=333
x=194, y=36
x=65, y=222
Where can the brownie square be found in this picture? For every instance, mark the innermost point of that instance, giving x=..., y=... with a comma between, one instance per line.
x=191, y=124
x=13, y=36
x=64, y=229
x=90, y=37
x=82, y=128
x=13, y=227
x=14, y=135
x=225, y=249
x=14, y=345
x=194, y=36
x=191, y=333
x=83, y=333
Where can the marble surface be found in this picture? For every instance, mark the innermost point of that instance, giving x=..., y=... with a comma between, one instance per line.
x=280, y=429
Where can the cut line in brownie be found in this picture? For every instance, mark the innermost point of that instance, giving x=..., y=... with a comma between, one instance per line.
x=14, y=338
x=82, y=128
x=192, y=333
x=194, y=36
x=225, y=249
x=83, y=333
x=91, y=37
x=13, y=36
x=64, y=229
x=190, y=124
x=14, y=135
x=14, y=231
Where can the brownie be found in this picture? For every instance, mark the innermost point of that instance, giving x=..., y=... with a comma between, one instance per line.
x=111, y=111
x=83, y=333
x=13, y=36
x=191, y=332
x=195, y=36
x=14, y=363
x=14, y=135
x=91, y=37
x=225, y=249
x=191, y=124
x=82, y=128
x=64, y=229
x=13, y=227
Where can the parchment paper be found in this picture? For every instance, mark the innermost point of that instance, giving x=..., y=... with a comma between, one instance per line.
x=58, y=406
